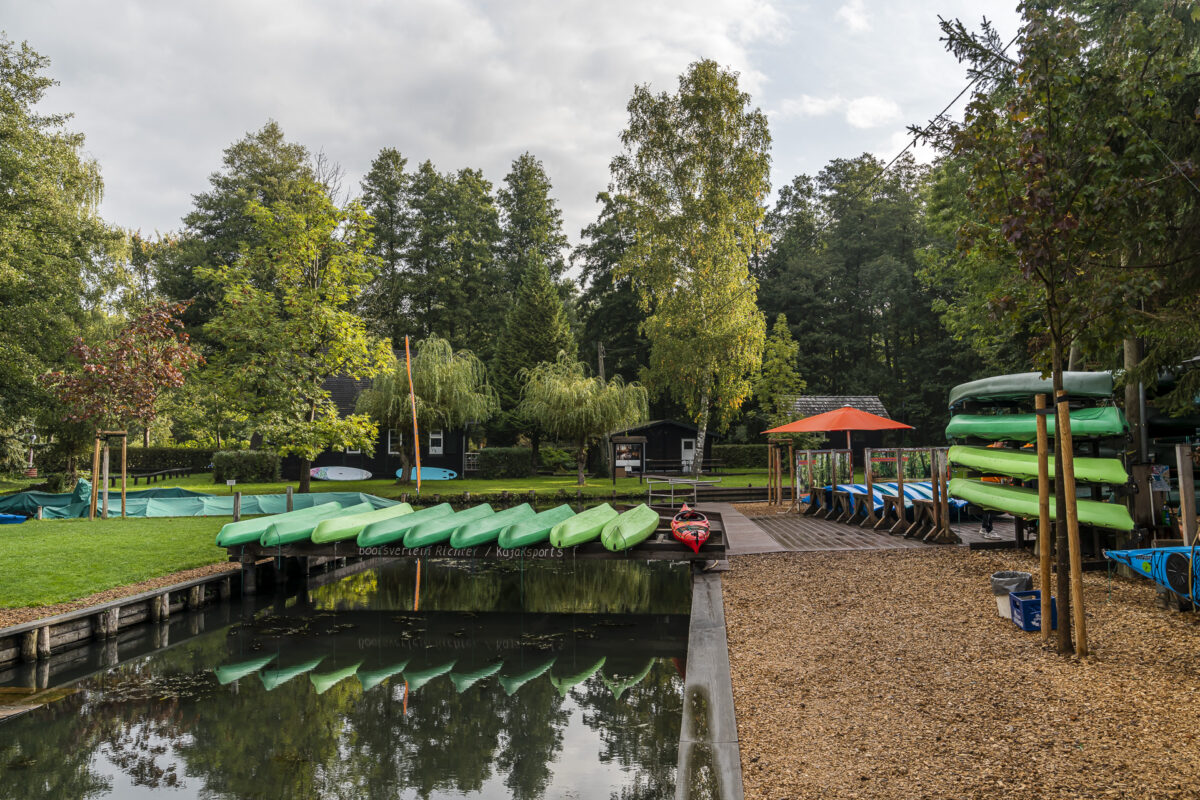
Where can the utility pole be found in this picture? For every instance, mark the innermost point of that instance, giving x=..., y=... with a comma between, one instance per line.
x=600, y=353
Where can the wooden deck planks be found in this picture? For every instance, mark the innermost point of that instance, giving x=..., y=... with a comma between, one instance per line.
x=797, y=533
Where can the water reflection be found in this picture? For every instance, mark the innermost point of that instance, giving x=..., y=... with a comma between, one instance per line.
x=346, y=691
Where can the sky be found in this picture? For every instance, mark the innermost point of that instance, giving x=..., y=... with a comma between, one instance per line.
x=160, y=89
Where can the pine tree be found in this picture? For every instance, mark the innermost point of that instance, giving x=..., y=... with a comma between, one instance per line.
x=532, y=221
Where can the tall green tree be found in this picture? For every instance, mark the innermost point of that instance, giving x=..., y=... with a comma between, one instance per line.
x=287, y=322
x=568, y=404
x=451, y=390
x=531, y=221
x=385, y=190
x=695, y=170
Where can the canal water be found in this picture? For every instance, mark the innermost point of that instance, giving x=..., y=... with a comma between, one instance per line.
x=488, y=680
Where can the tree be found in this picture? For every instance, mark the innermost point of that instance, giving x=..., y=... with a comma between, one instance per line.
x=386, y=190
x=531, y=221
x=451, y=390
x=566, y=403
x=56, y=252
x=285, y=323
x=122, y=379
x=695, y=171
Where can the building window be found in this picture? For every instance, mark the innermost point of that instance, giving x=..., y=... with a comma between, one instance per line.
x=394, y=442
x=435, y=443
x=350, y=452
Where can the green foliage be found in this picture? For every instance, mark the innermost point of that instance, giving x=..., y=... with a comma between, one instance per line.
x=247, y=466
x=385, y=197
x=695, y=174
x=531, y=221
x=740, y=456
x=556, y=459
x=778, y=381
x=505, y=462
x=154, y=459
x=567, y=404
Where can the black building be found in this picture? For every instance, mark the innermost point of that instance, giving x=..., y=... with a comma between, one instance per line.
x=669, y=446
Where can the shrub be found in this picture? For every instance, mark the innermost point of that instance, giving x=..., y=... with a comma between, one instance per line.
x=156, y=459
x=248, y=466
x=556, y=459
x=741, y=456
x=505, y=462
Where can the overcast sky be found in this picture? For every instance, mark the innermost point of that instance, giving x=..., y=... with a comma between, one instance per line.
x=161, y=88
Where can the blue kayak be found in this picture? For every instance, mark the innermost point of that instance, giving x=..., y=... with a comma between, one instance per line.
x=11, y=519
x=1169, y=567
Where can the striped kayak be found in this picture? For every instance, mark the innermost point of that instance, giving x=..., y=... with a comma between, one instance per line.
x=436, y=531
x=511, y=683
x=416, y=678
x=274, y=678
x=1022, y=502
x=629, y=529
x=1024, y=464
x=300, y=530
x=370, y=678
x=348, y=526
x=390, y=530
x=228, y=673
x=535, y=529
x=324, y=681
x=485, y=530
x=565, y=683
x=465, y=680
x=249, y=531
x=582, y=528
x=1167, y=566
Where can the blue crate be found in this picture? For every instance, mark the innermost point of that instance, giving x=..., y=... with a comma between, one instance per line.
x=1026, y=610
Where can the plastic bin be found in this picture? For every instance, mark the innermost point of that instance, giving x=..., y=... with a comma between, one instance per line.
x=1005, y=582
x=1025, y=610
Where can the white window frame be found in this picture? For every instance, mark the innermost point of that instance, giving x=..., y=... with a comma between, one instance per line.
x=395, y=440
x=436, y=449
x=350, y=452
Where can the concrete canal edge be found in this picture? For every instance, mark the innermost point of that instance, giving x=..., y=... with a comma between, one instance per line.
x=710, y=762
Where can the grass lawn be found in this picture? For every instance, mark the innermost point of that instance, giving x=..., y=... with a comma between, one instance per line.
x=16, y=483
x=53, y=561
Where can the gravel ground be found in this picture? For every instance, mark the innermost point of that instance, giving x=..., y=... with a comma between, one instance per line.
x=15, y=616
x=888, y=674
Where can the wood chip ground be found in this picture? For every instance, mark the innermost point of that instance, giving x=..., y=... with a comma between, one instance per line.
x=888, y=674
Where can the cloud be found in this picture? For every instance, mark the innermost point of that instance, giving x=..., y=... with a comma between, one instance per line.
x=871, y=112
x=854, y=16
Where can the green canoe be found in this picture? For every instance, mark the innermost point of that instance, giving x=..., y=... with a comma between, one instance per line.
x=1024, y=385
x=436, y=531
x=511, y=683
x=370, y=678
x=324, y=681
x=300, y=530
x=565, y=683
x=228, y=673
x=1022, y=502
x=583, y=527
x=485, y=530
x=390, y=530
x=619, y=686
x=535, y=529
x=249, y=531
x=1023, y=464
x=465, y=680
x=274, y=678
x=630, y=529
x=416, y=678
x=1104, y=421
x=348, y=526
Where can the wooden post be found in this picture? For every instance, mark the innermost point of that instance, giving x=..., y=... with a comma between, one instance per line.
x=1187, y=494
x=946, y=533
x=795, y=504
x=869, y=477
x=124, y=462
x=935, y=488
x=288, y=493
x=237, y=506
x=95, y=479
x=1044, y=534
x=104, y=514
x=1063, y=433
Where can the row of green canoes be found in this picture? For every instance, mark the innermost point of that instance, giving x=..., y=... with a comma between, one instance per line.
x=480, y=525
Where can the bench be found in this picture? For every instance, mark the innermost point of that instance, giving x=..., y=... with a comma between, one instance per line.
x=153, y=477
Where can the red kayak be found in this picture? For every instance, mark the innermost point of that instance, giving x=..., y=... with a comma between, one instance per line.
x=690, y=527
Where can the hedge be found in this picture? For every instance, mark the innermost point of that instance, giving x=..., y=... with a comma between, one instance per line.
x=156, y=459
x=248, y=466
x=741, y=456
x=505, y=462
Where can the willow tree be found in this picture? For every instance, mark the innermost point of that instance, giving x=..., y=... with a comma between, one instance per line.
x=568, y=404
x=451, y=391
x=695, y=172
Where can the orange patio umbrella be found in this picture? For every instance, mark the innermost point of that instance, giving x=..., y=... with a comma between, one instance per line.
x=846, y=418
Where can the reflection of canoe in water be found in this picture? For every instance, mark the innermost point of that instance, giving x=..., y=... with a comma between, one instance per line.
x=629, y=529
x=389, y=530
x=348, y=526
x=228, y=673
x=370, y=678
x=1166, y=566
x=583, y=527
x=274, y=678
x=511, y=683
x=618, y=685
x=465, y=680
x=535, y=529
x=485, y=531
x=419, y=677
x=324, y=681
x=565, y=683
x=437, y=531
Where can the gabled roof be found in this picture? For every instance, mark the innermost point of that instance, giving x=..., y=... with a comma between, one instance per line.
x=808, y=405
x=344, y=392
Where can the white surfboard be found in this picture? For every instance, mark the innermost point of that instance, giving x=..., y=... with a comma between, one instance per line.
x=339, y=474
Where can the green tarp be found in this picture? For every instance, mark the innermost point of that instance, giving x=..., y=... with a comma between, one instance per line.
x=1022, y=502
x=1106, y=421
x=1024, y=385
x=27, y=503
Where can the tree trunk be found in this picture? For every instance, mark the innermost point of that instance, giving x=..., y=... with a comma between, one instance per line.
x=581, y=462
x=535, y=445
x=406, y=475
x=256, y=440
x=1062, y=550
x=1133, y=408
x=146, y=436
x=701, y=433
x=305, y=476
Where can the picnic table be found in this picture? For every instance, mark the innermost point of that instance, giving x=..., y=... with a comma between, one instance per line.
x=153, y=477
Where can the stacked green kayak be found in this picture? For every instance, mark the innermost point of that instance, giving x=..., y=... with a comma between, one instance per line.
x=348, y=526
x=249, y=531
x=1024, y=385
x=437, y=531
x=630, y=528
x=1023, y=464
x=1103, y=421
x=533, y=530
x=290, y=531
x=391, y=530
x=583, y=527
x=485, y=530
x=1022, y=502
